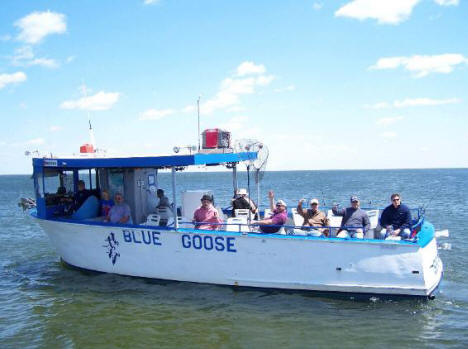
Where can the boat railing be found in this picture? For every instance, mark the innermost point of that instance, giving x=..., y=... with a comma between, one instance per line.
x=253, y=227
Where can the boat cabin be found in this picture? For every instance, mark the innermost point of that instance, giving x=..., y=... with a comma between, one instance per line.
x=136, y=178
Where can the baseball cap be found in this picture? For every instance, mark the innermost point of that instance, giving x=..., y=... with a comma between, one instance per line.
x=281, y=202
x=314, y=201
x=354, y=198
x=242, y=191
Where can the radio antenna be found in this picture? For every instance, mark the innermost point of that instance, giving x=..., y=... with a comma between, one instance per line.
x=92, y=139
x=198, y=112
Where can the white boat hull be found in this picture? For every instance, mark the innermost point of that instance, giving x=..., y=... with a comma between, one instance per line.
x=267, y=261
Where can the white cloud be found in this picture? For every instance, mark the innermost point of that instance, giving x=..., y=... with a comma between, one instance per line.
x=100, y=101
x=379, y=105
x=189, y=109
x=447, y=2
x=421, y=66
x=388, y=121
x=417, y=102
x=230, y=91
x=228, y=96
x=14, y=78
x=35, y=141
x=287, y=88
x=150, y=2
x=317, y=6
x=248, y=68
x=385, y=12
x=54, y=128
x=24, y=56
x=236, y=123
x=413, y=102
x=70, y=59
x=155, y=114
x=388, y=135
x=37, y=25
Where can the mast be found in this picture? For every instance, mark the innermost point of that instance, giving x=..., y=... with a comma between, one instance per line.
x=198, y=112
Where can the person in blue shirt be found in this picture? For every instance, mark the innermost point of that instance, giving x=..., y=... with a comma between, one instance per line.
x=106, y=203
x=396, y=220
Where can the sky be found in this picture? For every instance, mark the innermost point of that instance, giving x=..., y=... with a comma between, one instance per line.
x=350, y=84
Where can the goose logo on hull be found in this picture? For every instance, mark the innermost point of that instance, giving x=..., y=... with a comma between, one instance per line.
x=111, y=246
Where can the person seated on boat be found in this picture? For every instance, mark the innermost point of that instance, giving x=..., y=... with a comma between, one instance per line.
x=395, y=220
x=242, y=201
x=280, y=216
x=163, y=200
x=355, y=221
x=106, y=203
x=206, y=213
x=120, y=212
x=80, y=196
x=313, y=217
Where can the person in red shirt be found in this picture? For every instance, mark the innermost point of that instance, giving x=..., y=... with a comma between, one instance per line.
x=206, y=213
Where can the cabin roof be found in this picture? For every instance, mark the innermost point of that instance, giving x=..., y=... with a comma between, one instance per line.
x=145, y=161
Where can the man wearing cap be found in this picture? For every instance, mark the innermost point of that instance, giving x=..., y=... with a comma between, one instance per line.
x=206, y=213
x=313, y=217
x=355, y=221
x=395, y=219
x=280, y=216
x=242, y=201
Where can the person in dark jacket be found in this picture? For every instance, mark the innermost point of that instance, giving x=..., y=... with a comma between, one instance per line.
x=242, y=201
x=355, y=221
x=80, y=196
x=396, y=219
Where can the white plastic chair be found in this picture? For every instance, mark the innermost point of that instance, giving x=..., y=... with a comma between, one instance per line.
x=241, y=212
x=333, y=221
x=298, y=221
x=234, y=223
x=152, y=219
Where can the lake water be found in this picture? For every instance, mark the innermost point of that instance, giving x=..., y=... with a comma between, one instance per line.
x=44, y=304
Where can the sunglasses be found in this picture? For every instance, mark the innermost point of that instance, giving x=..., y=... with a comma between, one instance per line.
x=314, y=204
x=396, y=200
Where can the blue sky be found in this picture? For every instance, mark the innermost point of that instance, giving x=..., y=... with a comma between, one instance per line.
x=325, y=84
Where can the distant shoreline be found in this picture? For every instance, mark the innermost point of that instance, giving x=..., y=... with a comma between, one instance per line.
x=314, y=170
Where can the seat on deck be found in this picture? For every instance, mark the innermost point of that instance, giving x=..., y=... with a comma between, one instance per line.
x=374, y=221
x=298, y=221
x=267, y=213
x=241, y=212
x=237, y=224
x=89, y=209
x=333, y=221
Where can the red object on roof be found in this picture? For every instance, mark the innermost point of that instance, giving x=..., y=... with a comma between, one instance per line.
x=87, y=148
x=216, y=138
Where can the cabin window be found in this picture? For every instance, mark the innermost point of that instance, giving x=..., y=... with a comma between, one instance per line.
x=51, y=181
x=67, y=181
x=116, y=181
x=89, y=177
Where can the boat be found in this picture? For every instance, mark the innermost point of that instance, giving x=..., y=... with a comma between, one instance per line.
x=166, y=245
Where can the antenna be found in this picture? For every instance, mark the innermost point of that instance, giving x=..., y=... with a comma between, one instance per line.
x=198, y=112
x=92, y=140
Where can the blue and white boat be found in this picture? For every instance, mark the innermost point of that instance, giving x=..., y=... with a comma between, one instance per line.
x=165, y=245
